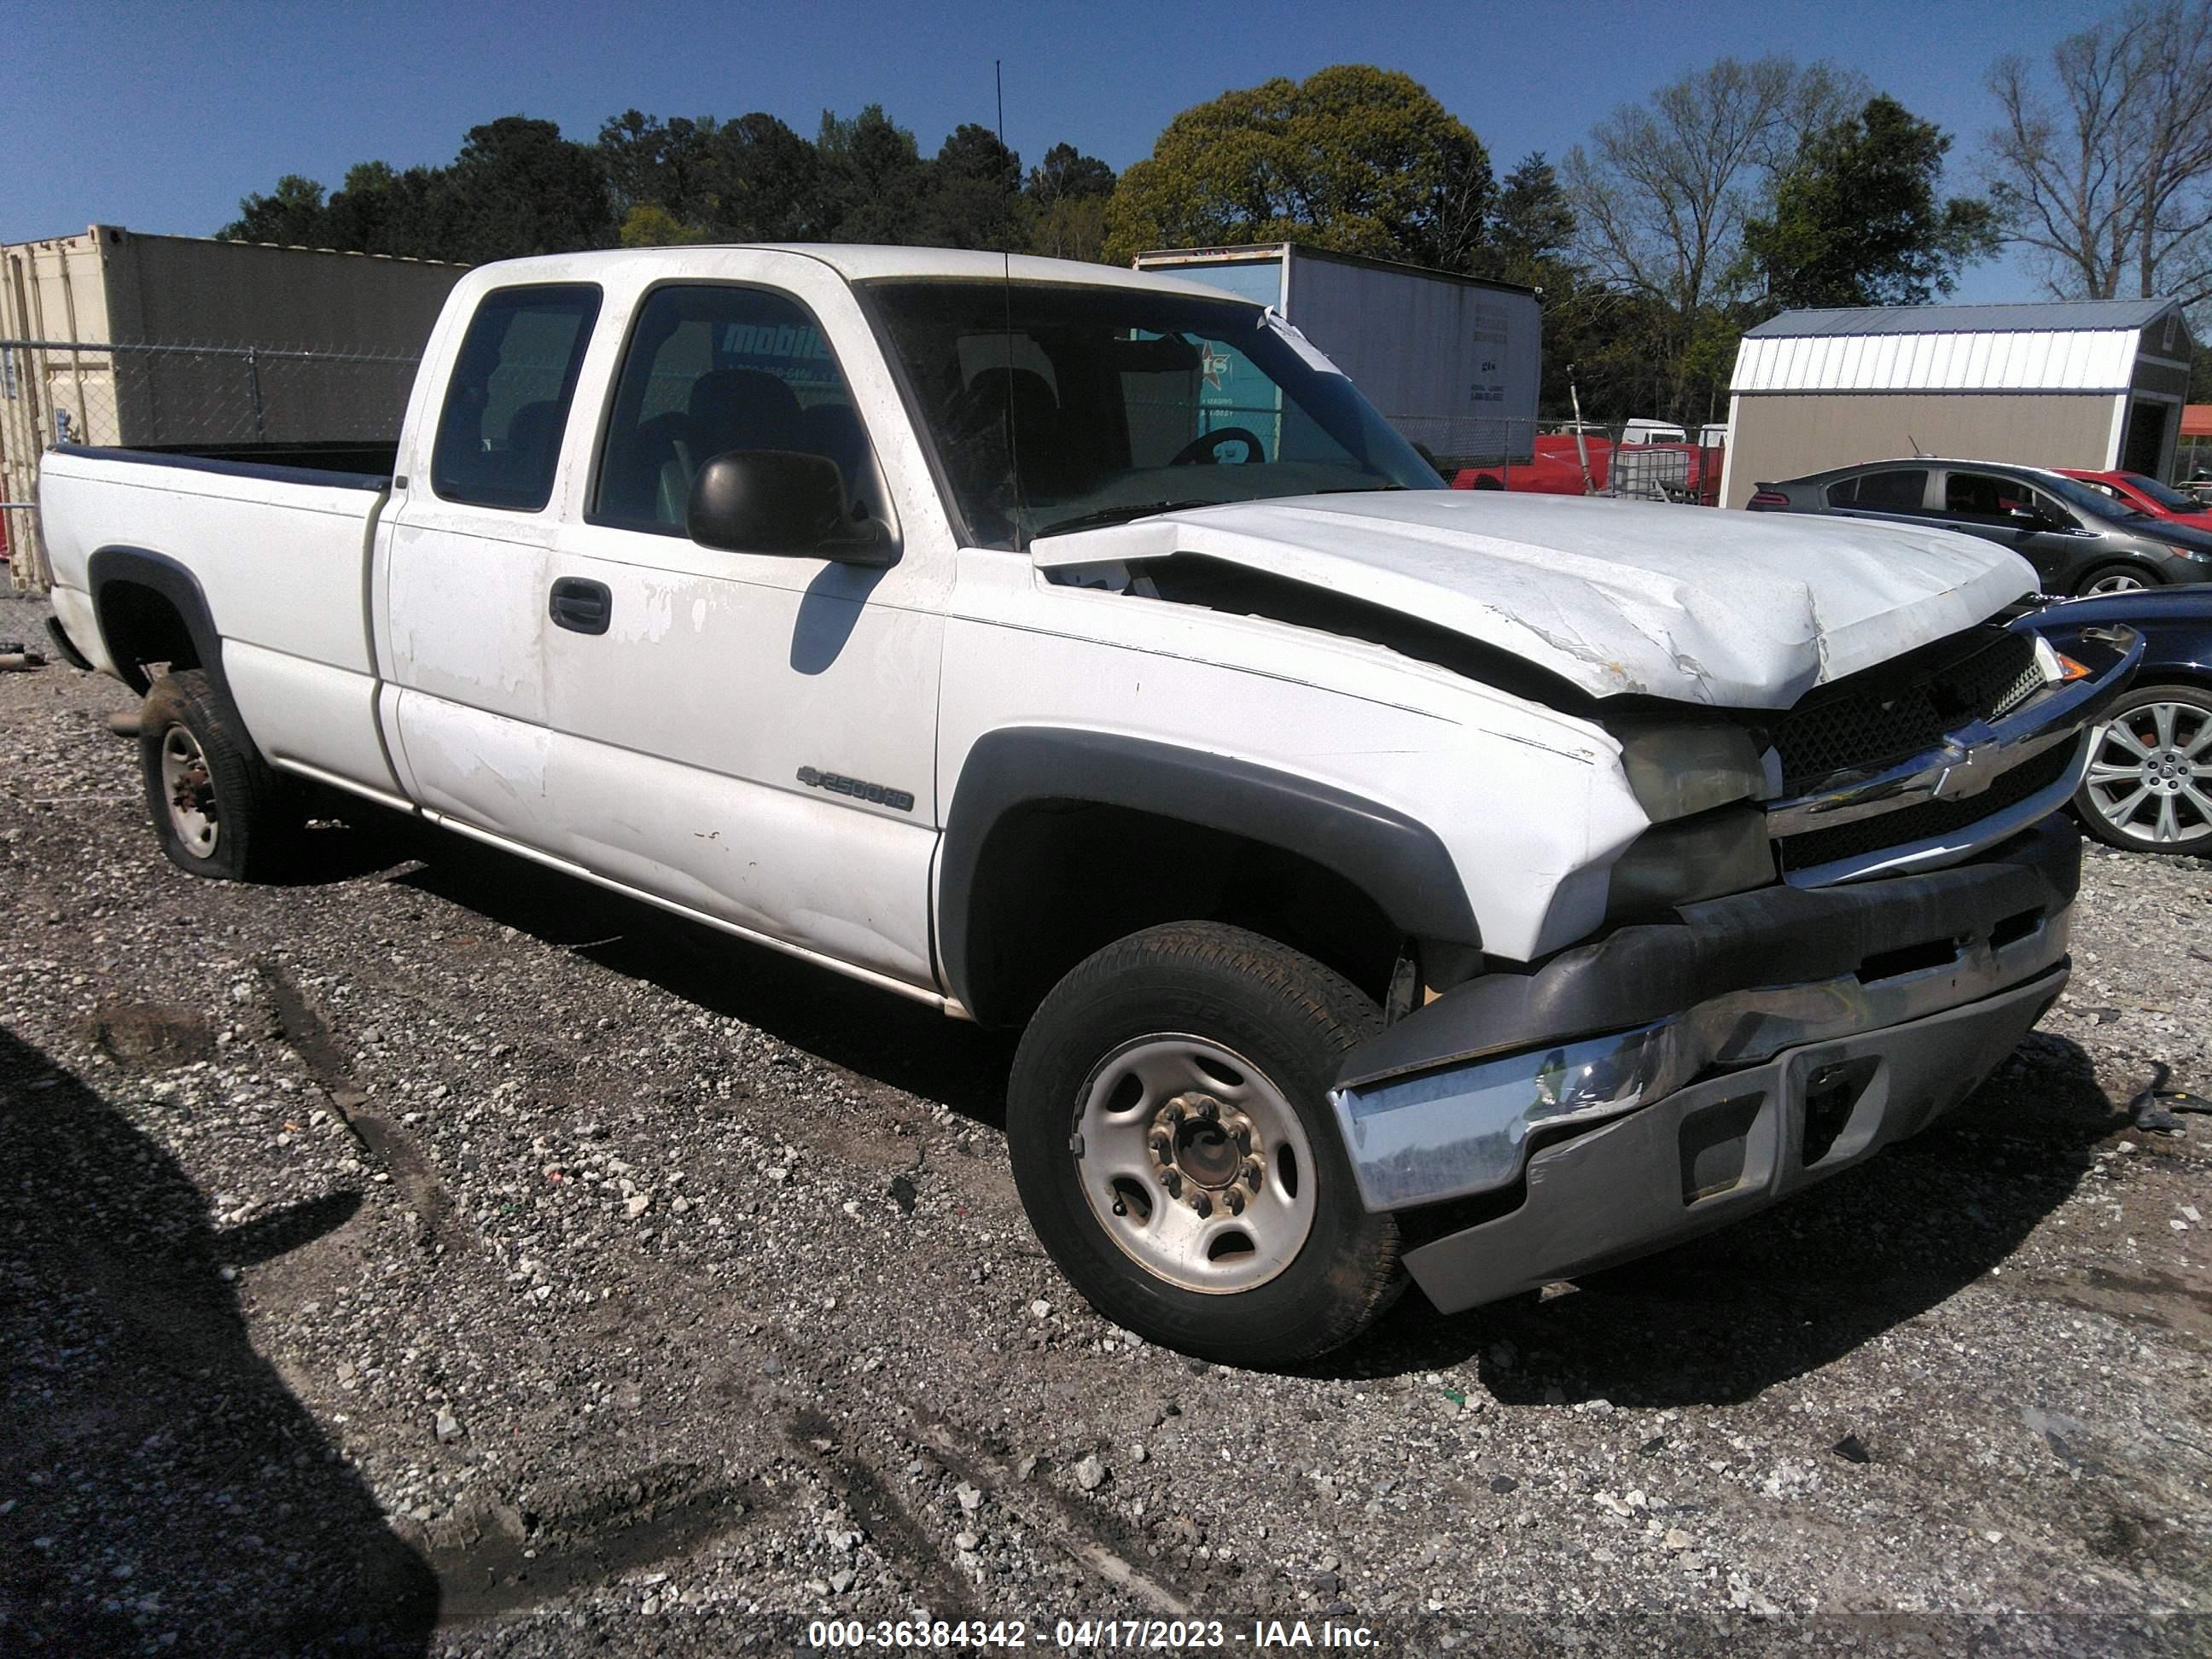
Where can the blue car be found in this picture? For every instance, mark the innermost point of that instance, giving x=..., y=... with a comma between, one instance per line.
x=2149, y=783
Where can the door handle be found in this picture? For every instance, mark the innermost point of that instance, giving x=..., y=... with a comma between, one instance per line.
x=581, y=607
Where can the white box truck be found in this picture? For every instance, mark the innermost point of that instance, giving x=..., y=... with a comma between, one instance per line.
x=1455, y=362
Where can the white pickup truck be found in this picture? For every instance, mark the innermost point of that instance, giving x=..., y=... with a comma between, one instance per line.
x=1388, y=881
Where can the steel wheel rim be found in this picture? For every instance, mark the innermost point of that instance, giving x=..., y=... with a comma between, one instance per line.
x=1194, y=1163
x=188, y=790
x=2150, y=778
x=2119, y=582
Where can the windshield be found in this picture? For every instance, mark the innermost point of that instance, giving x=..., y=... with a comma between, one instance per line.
x=1052, y=409
x=2165, y=494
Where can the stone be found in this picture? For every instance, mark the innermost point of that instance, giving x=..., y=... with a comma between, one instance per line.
x=1090, y=1473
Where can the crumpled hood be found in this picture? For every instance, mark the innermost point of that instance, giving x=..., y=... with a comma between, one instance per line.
x=1733, y=609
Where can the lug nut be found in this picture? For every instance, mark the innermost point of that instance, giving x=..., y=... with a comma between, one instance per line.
x=1252, y=1174
x=1210, y=1111
x=1202, y=1204
x=1234, y=1201
x=1173, y=1182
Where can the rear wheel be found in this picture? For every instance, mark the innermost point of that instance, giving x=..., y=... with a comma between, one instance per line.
x=218, y=808
x=1174, y=1145
x=2150, y=783
x=2115, y=578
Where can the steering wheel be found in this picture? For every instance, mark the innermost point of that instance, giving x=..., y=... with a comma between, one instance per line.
x=1198, y=451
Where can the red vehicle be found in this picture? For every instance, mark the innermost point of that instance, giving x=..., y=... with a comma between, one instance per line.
x=1673, y=472
x=2146, y=494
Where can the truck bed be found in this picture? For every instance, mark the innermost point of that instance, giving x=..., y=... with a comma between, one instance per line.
x=280, y=550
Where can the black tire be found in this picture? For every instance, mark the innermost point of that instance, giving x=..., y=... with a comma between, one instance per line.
x=2191, y=820
x=2135, y=574
x=253, y=816
x=1292, y=1020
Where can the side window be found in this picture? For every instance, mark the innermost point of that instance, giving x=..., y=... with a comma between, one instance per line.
x=712, y=369
x=1904, y=490
x=1844, y=494
x=1981, y=498
x=498, y=434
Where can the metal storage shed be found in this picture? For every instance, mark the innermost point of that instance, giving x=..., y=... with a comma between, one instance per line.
x=2089, y=384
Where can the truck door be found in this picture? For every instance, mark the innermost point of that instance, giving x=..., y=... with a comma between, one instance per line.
x=462, y=571
x=749, y=735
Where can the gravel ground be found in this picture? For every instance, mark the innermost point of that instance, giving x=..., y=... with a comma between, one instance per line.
x=436, y=1257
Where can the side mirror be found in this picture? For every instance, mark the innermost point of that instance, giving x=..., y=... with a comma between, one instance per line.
x=776, y=500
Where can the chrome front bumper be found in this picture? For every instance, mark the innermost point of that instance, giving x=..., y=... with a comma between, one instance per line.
x=1444, y=1104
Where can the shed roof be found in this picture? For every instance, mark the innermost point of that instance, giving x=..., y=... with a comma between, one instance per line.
x=2092, y=346
x=2038, y=317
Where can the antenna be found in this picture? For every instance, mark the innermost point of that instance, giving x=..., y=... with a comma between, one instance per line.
x=1918, y=453
x=1007, y=270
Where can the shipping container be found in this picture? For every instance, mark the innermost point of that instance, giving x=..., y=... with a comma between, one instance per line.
x=1455, y=362
x=151, y=342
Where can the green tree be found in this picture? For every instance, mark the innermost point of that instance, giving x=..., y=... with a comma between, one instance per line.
x=292, y=215
x=1353, y=158
x=651, y=225
x=767, y=183
x=1856, y=219
x=517, y=188
x=872, y=180
x=669, y=164
x=1066, y=174
x=975, y=193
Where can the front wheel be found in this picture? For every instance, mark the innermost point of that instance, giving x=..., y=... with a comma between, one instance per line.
x=1174, y=1145
x=2149, y=783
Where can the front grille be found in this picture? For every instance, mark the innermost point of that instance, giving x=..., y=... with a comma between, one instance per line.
x=1937, y=817
x=1869, y=721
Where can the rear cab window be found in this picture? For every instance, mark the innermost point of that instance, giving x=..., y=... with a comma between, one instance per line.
x=507, y=405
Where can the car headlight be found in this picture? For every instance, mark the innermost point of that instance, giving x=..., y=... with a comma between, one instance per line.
x=1676, y=770
x=1726, y=851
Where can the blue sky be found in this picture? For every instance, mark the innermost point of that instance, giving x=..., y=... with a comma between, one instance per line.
x=159, y=116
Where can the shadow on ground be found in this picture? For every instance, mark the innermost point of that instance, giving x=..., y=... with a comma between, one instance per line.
x=1722, y=1318
x=875, y=1033
x=164, y=1481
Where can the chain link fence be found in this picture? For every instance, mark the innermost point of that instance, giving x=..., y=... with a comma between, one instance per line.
x=239, y=400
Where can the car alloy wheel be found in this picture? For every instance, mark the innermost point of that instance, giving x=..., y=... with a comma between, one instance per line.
x=2118, y=582
x=2150, y=778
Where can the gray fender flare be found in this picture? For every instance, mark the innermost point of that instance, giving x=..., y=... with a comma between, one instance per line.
x=141, y=567
x=1395, y=860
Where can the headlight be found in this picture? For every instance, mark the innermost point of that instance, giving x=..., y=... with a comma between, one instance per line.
x=1723, y=851
x=1676, y=770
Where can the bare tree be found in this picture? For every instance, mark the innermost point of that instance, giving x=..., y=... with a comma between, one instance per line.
x=1661, y=192
x=2111, y=186
x=1662, y=189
